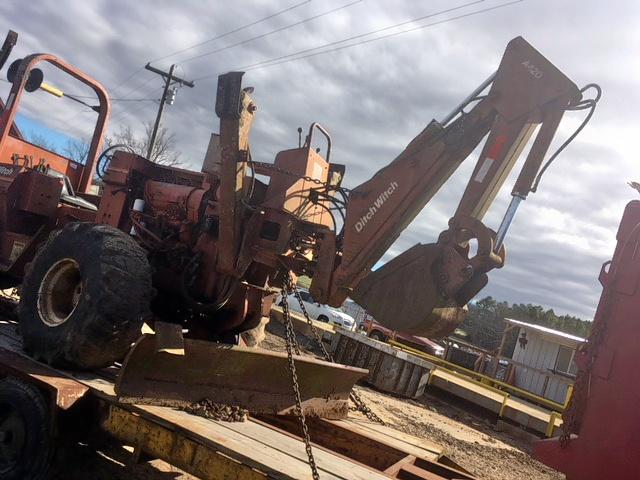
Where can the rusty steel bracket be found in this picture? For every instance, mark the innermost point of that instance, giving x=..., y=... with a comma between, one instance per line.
x=228, y=97
x=252, y=378
x=7, y=46
x=64, y=391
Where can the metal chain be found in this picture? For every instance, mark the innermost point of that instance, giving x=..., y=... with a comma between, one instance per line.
x=365, y=409
x=293, y=288
x=292, y=345
x=273, y=167
x=360, y=404
x=287, y=315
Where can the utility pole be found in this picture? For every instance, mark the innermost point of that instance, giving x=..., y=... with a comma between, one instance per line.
x=169, y=79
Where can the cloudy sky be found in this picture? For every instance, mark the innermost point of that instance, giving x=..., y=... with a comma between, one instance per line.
x=373, y=98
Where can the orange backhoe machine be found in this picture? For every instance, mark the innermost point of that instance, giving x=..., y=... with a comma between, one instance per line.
x=200, y=255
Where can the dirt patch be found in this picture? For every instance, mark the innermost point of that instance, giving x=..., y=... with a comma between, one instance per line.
x=274, y=340
x=470, y=441
x=467, y=434
x=217, y=411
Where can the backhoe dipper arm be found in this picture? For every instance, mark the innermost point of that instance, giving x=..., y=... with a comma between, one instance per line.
x=526, y=91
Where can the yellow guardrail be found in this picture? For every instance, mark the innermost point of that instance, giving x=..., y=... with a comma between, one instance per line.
x=486, y=380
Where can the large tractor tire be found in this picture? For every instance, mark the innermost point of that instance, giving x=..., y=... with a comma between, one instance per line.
x=84, y=297
x=26, y=445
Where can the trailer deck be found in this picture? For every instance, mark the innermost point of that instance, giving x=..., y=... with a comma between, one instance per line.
x=265, y=447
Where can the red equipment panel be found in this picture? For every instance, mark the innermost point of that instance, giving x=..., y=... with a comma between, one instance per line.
x=37, y=193
x=604, y=415
x=21, y=152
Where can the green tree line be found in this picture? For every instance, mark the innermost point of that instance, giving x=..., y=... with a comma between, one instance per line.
x=485, y=322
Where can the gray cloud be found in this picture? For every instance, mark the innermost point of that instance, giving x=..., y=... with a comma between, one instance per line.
x=374, y=98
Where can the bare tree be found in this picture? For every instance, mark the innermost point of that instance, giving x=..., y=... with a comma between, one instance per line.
x=76, y=150
x=164, y=150
x=41, y=141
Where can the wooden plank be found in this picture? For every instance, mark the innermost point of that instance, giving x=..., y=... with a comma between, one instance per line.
x=328, y=463
x=467, y=390
x=397, y=437
x=427, y=465
x=529, y=409
x=254, y=444
x=381, y=434
x=345, y=441
x=265, y=453
x=411, y=472
x=394, y=469
x=251, y=443
x=151, y=438
x=407, y=443
x=472, y=386
x=518, y=410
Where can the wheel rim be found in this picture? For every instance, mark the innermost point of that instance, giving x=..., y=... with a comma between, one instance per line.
x=13, y=435
x=60, y=292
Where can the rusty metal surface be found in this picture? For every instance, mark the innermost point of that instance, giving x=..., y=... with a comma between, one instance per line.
x=17, y=89
x=252, y=378
x=390, y=369
x=526, y=91
x=65, y=391
x=35, y=192
x=600, y=431
x=421, y=309
x=380, y=208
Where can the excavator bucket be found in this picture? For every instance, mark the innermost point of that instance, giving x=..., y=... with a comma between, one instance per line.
x=420, y=309
x=252, y=378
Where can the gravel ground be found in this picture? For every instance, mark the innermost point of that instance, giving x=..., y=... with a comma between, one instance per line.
x=469, y=436
x=470, y=440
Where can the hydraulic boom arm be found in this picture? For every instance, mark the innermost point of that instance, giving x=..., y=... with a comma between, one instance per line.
x=424, y=290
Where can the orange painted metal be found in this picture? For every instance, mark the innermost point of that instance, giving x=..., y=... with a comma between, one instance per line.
x=14, y=151
x=178, y=203
x=221, y=241
x=291, y=192
x=8, y=115
x=30, y=204
x=443, y=275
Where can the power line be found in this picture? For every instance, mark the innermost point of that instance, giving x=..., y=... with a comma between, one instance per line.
x=134, y=99
x=73, y=96
x=135, y=89
x=277, y=30
x=253, y=38
x=132, y=111
x=235, y=30
x=115, y=99
x=167, y=98
x=366, y=34
x=312, y=51
x=288, y=58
